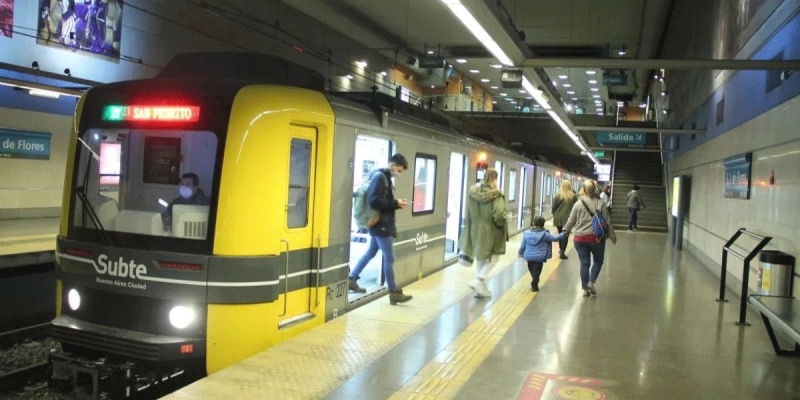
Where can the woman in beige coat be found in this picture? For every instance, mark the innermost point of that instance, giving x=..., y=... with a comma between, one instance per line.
x=485, y=229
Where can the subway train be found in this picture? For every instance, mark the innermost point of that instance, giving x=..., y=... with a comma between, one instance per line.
x=151, y=288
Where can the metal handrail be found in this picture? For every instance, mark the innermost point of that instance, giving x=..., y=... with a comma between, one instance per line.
x=286, y=280
x=745, y=269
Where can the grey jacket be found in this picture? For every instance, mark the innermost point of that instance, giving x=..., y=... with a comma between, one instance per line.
x=580, y=221
x=635, y=200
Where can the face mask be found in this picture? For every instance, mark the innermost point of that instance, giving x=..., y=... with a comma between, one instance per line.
x=185, y=191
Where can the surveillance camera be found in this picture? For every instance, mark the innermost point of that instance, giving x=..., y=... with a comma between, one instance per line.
x=67, y=72
x=35, y=65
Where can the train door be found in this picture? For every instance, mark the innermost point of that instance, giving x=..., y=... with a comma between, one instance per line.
x=370, y=153
x=523, y=197
x=456, y=190
x=299, y=233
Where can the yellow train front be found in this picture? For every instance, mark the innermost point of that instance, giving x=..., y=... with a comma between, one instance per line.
x=145, y=299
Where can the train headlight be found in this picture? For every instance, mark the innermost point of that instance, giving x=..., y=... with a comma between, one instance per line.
x=181, y=316
x=73, y=299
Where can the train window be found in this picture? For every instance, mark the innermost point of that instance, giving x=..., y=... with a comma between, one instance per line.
x=501, y=174
x=299, y=182
x=424, y=184
x=144, y=182
x=512, y=185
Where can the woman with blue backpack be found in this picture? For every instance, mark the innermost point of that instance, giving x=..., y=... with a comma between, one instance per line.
x=590, y=220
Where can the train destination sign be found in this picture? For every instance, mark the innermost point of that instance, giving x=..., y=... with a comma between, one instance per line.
x=152, y=113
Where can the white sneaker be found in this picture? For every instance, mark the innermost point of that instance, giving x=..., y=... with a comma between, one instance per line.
x=482, y=291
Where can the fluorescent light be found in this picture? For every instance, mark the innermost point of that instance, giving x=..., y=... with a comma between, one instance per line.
x=475, y=71
x=594, y=89
x=567, y=85
x=570, y=92
x=384, y=73
x=596, y=96
x=497, y=66
x=563, y=76
x=574, y=98
x=461, y=60
x=430, y=51
x=477, y=30
x=592, y=81
x=504, y=94
x=485, y=80
x=495, y=87
x=348, y=76
x=44, y=93
x=591, y=72
x=522, y=91
x=361, y=64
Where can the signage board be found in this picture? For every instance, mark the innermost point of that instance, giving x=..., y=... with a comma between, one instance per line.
x=676, y=195
x=599, y=154
x=511, y=78
x=24, y=144
x=737, y=176
x=431, y=62
x=611, y=137
x=602, y=169
x=615, y=79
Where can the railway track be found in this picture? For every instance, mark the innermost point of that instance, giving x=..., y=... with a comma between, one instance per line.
x=23, y=377
x=34, y=332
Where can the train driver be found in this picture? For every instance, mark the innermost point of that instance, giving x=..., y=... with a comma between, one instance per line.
x=189, y=193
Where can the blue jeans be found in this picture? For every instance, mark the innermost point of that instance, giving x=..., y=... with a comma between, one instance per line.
x=387, y=247
x=586, y=252
x=634, y=218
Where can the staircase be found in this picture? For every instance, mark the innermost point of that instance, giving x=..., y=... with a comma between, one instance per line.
x=643, y=169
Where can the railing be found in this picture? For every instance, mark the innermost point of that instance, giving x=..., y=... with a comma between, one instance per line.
x=745, y=269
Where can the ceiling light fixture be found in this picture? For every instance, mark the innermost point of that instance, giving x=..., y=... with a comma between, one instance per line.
x=495, y=87
x=594, y=89
x=592, y=81
x=484, y=80
x=477, y=30
x=591, y=72
x=596, y=96
x=461, y=60
x=361, y=64
x=348, y=76
x=563, y=76
x=570, y=92
x=430, y=51
x=567, y=85
x=384, y=73
x=44, y=93
x=475, y=71
x=497, y=66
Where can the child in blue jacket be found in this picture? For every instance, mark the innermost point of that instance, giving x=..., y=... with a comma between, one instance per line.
x=536, y=248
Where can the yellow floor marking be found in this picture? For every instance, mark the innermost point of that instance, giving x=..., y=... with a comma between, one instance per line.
x=443, y=377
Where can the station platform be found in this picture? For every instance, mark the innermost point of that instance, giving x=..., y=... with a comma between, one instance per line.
x=653, y=331
x=27, y=241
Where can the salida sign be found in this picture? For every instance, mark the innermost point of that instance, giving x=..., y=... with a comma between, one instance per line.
x=610, y=137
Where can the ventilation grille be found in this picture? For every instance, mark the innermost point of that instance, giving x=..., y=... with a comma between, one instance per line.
x=195, y=230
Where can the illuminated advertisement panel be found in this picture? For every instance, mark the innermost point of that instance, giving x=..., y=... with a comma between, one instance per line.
x=93, y=26
x=676, y=195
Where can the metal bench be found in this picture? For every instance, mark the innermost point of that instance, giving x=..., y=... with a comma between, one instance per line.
x=782, y=313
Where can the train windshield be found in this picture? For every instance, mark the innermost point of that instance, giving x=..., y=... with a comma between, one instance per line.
x=149, y=189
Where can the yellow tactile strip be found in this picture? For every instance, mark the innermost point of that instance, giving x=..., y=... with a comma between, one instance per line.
x=314, y=363
x=443, y=377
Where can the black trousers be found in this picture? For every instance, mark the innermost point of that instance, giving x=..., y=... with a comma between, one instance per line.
x=535, y=268
x=562, y=244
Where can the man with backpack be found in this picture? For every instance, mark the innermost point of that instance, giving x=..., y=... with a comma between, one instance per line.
x=376, y=213
x=591, y=221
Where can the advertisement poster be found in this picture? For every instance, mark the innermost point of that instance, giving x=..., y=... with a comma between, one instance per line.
x=91, y=26
x=6, y=18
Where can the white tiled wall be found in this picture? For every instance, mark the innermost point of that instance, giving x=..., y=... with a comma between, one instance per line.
x=27, y=184
x=772, y=210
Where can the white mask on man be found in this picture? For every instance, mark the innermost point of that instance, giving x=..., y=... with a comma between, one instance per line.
x=185, y=191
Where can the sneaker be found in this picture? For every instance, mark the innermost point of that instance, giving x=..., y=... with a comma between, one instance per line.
x=590, y=288
x=352, y=285
x=586, y=293
x=397, y=296
x=481, y=291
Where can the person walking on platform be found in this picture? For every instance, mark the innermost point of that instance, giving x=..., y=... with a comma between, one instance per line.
x=634, y=203
x=485, y=229
x=591, y=252
x=562, y=205
x=380, y=197
x=536, y=249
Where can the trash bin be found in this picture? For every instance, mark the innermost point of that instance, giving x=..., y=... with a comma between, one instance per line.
x=775, y=273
